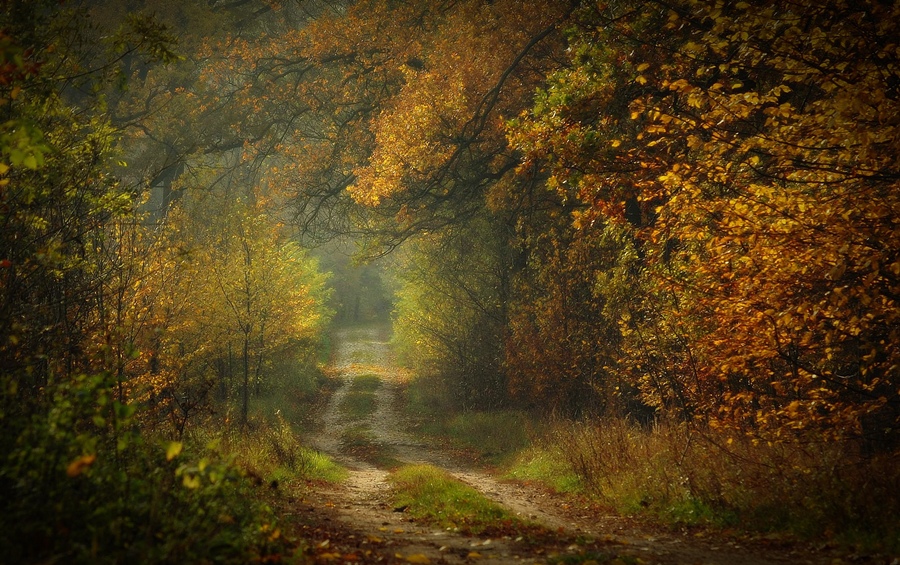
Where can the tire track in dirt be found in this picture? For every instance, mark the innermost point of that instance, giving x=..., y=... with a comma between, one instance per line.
x=363, y=501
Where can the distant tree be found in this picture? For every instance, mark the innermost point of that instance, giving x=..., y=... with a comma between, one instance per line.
x=451, y=312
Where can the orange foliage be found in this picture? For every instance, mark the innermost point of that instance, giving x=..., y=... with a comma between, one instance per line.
x=753, y=154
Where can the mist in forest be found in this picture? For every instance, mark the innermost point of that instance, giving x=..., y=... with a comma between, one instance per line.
x=642, y=252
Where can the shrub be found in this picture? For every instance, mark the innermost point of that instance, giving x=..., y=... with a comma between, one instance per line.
x=79, y=484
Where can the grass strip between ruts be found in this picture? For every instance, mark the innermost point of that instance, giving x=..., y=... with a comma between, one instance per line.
x=359, y=403
x=433, y=496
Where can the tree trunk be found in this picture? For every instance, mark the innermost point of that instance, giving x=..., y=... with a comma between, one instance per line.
x=246, y=387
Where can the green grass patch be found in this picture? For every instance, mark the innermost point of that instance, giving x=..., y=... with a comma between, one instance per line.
x=317, y=466
x=366, y=383
x=545, y=465
x=358, y=405
x=433, y=496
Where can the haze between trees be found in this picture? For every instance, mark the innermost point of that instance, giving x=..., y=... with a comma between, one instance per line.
x=681, y=216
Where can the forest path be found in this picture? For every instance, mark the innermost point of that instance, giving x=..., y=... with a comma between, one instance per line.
x=357, y=520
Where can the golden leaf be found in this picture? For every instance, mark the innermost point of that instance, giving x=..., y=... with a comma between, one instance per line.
x=173, y=450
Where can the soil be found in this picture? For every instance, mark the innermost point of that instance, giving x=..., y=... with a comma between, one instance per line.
x=356, y=522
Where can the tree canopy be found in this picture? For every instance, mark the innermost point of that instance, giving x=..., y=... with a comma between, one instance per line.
x=685, y=210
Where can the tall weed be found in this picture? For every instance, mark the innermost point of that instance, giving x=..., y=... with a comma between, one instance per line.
x=700, y=476
x=271, y=451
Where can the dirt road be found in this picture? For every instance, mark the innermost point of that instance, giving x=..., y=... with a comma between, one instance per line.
x=356, y=521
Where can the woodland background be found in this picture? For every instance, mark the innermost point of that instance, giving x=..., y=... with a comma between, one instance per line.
x=671, y=227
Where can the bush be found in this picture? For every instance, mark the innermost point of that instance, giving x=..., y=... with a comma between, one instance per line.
x=80, y=485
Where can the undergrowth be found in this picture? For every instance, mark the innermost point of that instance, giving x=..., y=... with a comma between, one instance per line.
x=683, y=475
x=80, y=484
x=545, y=464
x=271, y=452
x=493, y=437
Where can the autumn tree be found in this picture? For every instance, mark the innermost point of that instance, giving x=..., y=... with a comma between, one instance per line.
x=661, y=178
x=263, y=299
x=747, y=149
x=437, y=153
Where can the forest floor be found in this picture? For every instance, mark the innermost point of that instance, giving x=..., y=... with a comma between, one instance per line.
x=355, y=521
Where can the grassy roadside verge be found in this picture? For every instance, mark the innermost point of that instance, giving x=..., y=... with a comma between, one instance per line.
x=272, y=453
x=270, y=458
x=491, y=438
x=684, y=478
x=681, y=476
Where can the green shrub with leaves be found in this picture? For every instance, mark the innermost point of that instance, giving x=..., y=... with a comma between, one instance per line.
x=80, y=484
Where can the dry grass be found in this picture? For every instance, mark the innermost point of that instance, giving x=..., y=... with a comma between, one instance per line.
x=271, y=451
x=686, y=475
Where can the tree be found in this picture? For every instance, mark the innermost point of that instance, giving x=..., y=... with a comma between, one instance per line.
x=751, y=145
x=451, y=312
